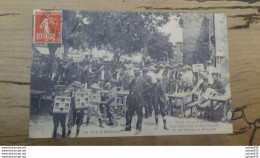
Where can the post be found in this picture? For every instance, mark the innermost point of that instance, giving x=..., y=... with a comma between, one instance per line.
x=182, y=107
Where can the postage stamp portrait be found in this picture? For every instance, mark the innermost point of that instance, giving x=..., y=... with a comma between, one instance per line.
x=47, y=27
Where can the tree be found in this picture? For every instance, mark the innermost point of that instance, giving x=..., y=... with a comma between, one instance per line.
x=120, y=33
x=71, y=36
x=159, y=46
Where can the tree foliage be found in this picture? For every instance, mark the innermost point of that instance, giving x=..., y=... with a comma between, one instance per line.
x=159, y=47
x=118, y=32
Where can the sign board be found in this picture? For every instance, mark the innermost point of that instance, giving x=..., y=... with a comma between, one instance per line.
x=81, y=99
x=61, y=104
x=197, y=67
x=220, y=54
x=77, y=58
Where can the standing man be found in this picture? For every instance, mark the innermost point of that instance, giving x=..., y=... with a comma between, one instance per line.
x=172, y=78
x=187, y=79
x=54, y=68
x=135, y=102
x=166, y=85
x=126, y=78
x=111, y=103
x=102, y=73
x=210, y=70
x=179, y=83
x=159, y=100
x=152, y=73
x=147, y=93
x=160, y=70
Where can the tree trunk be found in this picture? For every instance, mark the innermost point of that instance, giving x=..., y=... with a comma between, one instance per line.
x=52, y=49
x=66, y=50
x=117, y=57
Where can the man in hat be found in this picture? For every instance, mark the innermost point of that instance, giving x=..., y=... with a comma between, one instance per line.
x=94, y=101
x=165, y=81
x=179, y=83
x=147, y=93
x=54, y=68
x=187, y=78
x=119, y=74
x=160, y=68
x=137, y=102
x=167, y=70
x=159, y=99
x=112, y=102
x=126, y=77
x=203, y=93
x=210, y=70
x=217, y=84
x=173, y=79
x=203, y=85
x=166, y=85
x=153, y=74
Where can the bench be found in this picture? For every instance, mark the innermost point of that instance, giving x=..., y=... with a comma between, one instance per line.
x=204, y=106
x=191, y=105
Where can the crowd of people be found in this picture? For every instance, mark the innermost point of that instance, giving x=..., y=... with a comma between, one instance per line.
x=147, y=84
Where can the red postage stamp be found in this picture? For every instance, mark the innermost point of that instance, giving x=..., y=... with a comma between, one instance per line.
x=47, y=27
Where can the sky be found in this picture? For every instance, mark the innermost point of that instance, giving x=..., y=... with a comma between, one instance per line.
x=173, y=29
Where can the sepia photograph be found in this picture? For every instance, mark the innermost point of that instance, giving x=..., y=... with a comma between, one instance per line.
x=116, y=74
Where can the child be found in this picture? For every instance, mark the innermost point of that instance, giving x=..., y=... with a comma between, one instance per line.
x=75, y=116
x=94, y=101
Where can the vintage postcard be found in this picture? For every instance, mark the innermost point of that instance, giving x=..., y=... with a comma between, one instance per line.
x=114, y=74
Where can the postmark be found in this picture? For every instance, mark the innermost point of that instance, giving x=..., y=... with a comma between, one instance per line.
x=47, y=27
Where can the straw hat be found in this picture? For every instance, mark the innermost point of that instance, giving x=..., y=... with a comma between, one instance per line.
x=167, y=65
x=209, y=62
x=112, y=81
x=152, y=68
x=95, y=86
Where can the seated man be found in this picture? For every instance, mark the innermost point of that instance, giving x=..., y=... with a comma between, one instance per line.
x=205, y=90
x=203, y=93
x=217, y=85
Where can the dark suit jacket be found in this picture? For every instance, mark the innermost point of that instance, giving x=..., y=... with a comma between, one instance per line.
x=148, y=85
x=161, y=93
x=166, y=84
x=218, y=86
x=138, y=89
x=158, y=93
x=126, y=81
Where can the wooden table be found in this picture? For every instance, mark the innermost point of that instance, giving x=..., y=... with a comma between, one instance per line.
x=224, y=100
x=181, y=96
x=38, y=94
x=15, y=66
